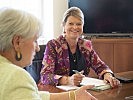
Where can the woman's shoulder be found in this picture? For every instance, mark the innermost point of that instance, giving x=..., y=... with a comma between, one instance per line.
x=84, y=43
x=11, y=72
x=84, y=40
x=57, y=39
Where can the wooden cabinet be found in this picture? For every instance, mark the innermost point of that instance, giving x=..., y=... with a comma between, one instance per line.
x=116, y=53
x=123, y=56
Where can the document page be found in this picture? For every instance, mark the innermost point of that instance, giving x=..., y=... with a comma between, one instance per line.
x=67, y=87
x=99, y=84
x=92, y=81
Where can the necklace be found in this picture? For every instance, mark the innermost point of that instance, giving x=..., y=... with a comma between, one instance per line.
x=74, y=57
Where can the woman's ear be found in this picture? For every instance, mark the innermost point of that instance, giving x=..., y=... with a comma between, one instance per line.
x=63, y=25
x=16, y=41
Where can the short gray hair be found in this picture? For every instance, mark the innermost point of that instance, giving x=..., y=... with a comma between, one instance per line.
x=73, y=11
x=16, y=22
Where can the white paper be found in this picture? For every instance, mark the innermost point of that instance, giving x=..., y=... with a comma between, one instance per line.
x=67, y=87
x=92, y=81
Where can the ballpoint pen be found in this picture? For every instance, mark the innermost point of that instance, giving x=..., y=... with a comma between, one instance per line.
x=77, y=72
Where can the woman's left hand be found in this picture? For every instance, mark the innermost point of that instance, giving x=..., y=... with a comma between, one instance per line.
x=83, y=94
x=112, y=80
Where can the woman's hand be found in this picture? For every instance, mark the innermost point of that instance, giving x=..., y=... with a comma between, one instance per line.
x=75, y=79
x=112, y=80
x=82, y=94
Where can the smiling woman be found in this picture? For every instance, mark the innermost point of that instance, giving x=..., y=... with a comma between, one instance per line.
x=70, y=52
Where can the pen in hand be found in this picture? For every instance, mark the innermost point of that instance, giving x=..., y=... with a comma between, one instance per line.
x=79, y=77
x=77, y=72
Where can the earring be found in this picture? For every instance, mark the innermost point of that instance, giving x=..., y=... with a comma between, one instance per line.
x=18, y=56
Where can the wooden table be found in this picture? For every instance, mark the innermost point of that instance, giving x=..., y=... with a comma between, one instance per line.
x=120, y=93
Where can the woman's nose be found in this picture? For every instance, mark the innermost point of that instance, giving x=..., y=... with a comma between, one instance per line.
x=75, y=26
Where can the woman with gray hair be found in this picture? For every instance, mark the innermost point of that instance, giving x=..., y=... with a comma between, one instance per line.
x=19, y=32
x=70, y=52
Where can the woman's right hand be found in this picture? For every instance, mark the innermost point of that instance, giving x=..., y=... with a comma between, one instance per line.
x=75, y=79
x=82, y=94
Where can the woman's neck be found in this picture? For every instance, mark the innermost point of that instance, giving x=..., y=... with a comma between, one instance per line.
x=72, y=45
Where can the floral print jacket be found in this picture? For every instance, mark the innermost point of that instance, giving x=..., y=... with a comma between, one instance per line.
x=56, y=60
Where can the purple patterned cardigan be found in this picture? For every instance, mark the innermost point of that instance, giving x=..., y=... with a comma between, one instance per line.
x=56, y=60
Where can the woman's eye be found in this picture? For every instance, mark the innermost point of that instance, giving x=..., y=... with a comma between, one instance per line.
x=36, y=42
x=70, y=23
x=78, y=24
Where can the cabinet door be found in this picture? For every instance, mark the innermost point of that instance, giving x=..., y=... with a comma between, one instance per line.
x=123, y=57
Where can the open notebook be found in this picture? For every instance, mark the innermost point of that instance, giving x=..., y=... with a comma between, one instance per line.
x=99, y=84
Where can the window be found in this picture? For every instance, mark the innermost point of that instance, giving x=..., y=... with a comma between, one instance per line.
x=43, y=9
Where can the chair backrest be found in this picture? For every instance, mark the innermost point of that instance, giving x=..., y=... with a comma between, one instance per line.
x=35, y=68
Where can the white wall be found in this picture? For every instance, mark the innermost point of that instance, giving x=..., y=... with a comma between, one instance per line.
x=59, y=7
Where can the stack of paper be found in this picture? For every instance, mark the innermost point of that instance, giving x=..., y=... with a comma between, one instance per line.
x=99, y=84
